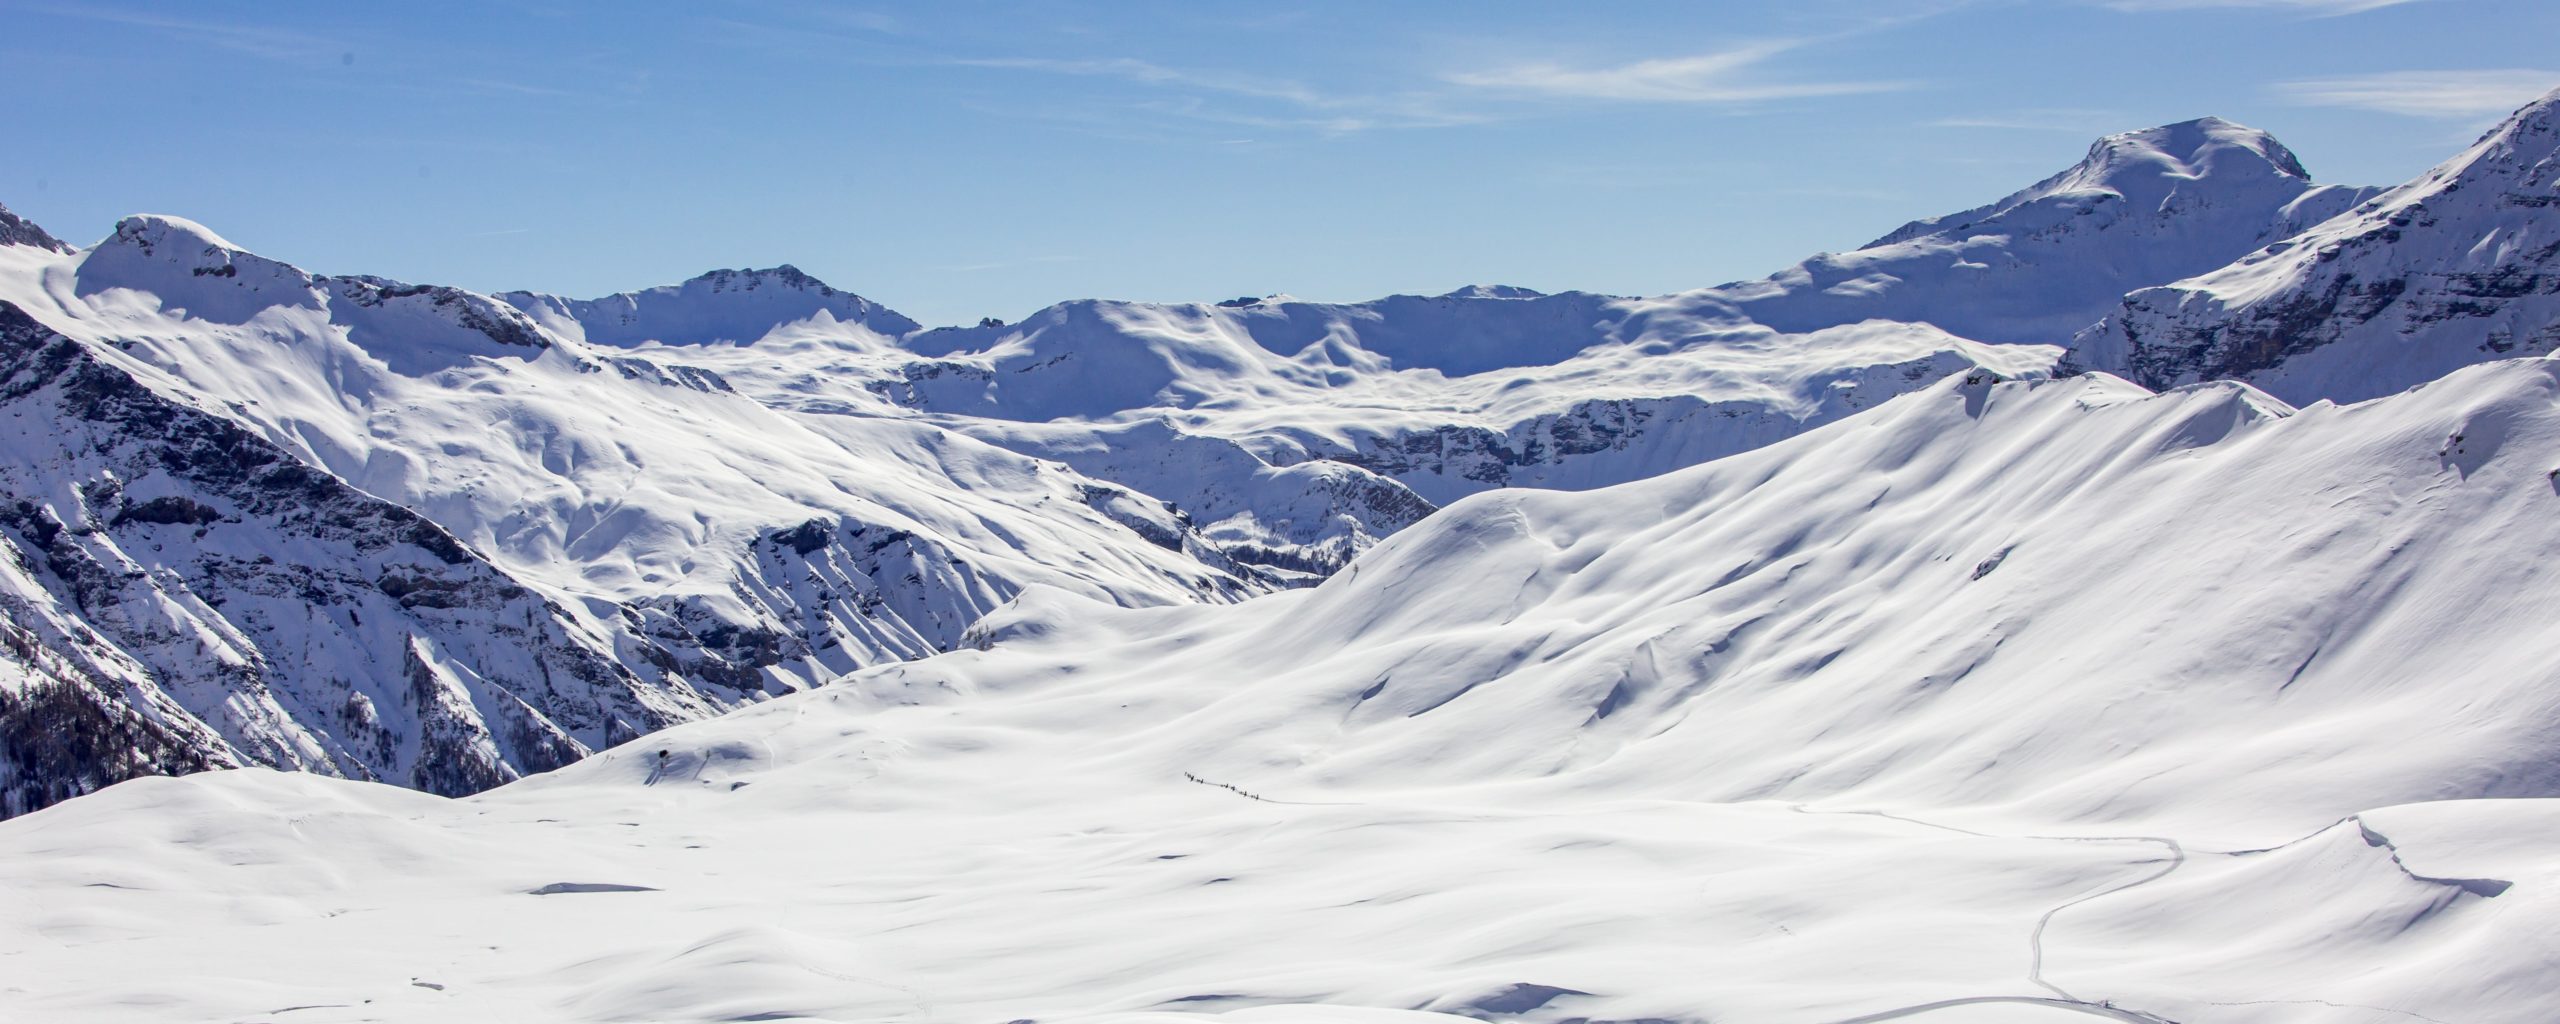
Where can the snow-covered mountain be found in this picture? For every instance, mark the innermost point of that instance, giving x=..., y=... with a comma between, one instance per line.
x=680, y=547
x=1846, y=665
x=2459, y=266
x=752, y=482
x=2034, y=701
x=724, y=305
x=221, y=602
x=1528, y=389
x=1493, y=387
x=2037, y=266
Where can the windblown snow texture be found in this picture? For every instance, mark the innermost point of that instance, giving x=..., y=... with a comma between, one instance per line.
x=2035, y=701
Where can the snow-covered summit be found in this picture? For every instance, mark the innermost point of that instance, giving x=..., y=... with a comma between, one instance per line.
x=186, y=267
x=2458, y=266
x=150, y=231
x=737, y=306
x=158, y=265
x=2140, y=167
x=1493, y=291
x=1488, y=386
x=2036, y=266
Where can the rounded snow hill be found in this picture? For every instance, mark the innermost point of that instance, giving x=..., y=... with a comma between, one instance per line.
x=2034, y=701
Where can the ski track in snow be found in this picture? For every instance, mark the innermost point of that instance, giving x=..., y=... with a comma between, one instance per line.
x=2035, y=936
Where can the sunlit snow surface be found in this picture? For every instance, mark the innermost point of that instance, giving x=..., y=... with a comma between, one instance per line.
x=2458, y=265
x=2023, y=702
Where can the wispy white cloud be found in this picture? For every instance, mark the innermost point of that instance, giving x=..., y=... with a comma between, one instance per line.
x=255, y=40
x=2315, y=8
x=1148, y=73
x=1298, y=105
x=1488, y=93
x=2448, y=94
x=2068, y=121
x=1728, y=76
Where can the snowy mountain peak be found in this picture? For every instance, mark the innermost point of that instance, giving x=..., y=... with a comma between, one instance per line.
x=2519, y=150
x=149, y=232
x=737, y=306
x=2194, y=149
x=17, y=230
x=2540, y=117
x=2041, y=264
x=2146, y=169
x=2461, y=265
x=746, y=279
x=191, y=269
x=2145, y=166
x=1495, y=291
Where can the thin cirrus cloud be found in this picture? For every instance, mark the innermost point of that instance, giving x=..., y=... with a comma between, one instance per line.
x=2448, y=94
x=1335, y=113
x=1721, y=77
x=2071, y=121
x=1731, y=76
x=1147, y=73
x=277, y=44
x=2316, y=8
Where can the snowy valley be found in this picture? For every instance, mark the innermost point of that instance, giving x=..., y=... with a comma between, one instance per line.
x=2126, y=600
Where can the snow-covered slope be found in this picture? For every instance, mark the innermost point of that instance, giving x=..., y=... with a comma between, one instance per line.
x=710, y=548
x=752, y=481
x=2070, y=597
x=2143, y=208
x=226, y=603
x=2459, y=266
x=1559, y=390
x=724, y=305
x=2024, y=702
x=1491, y=387
x=619, y=475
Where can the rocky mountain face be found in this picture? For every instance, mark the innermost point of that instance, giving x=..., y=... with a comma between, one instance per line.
x=407, y=533
x=2460, y=266
x=19, y=231
x=212, y=599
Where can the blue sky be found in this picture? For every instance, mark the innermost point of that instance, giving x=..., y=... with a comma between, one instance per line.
x=963, y=159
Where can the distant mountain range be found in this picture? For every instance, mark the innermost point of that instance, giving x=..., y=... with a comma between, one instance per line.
x=426, y=536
